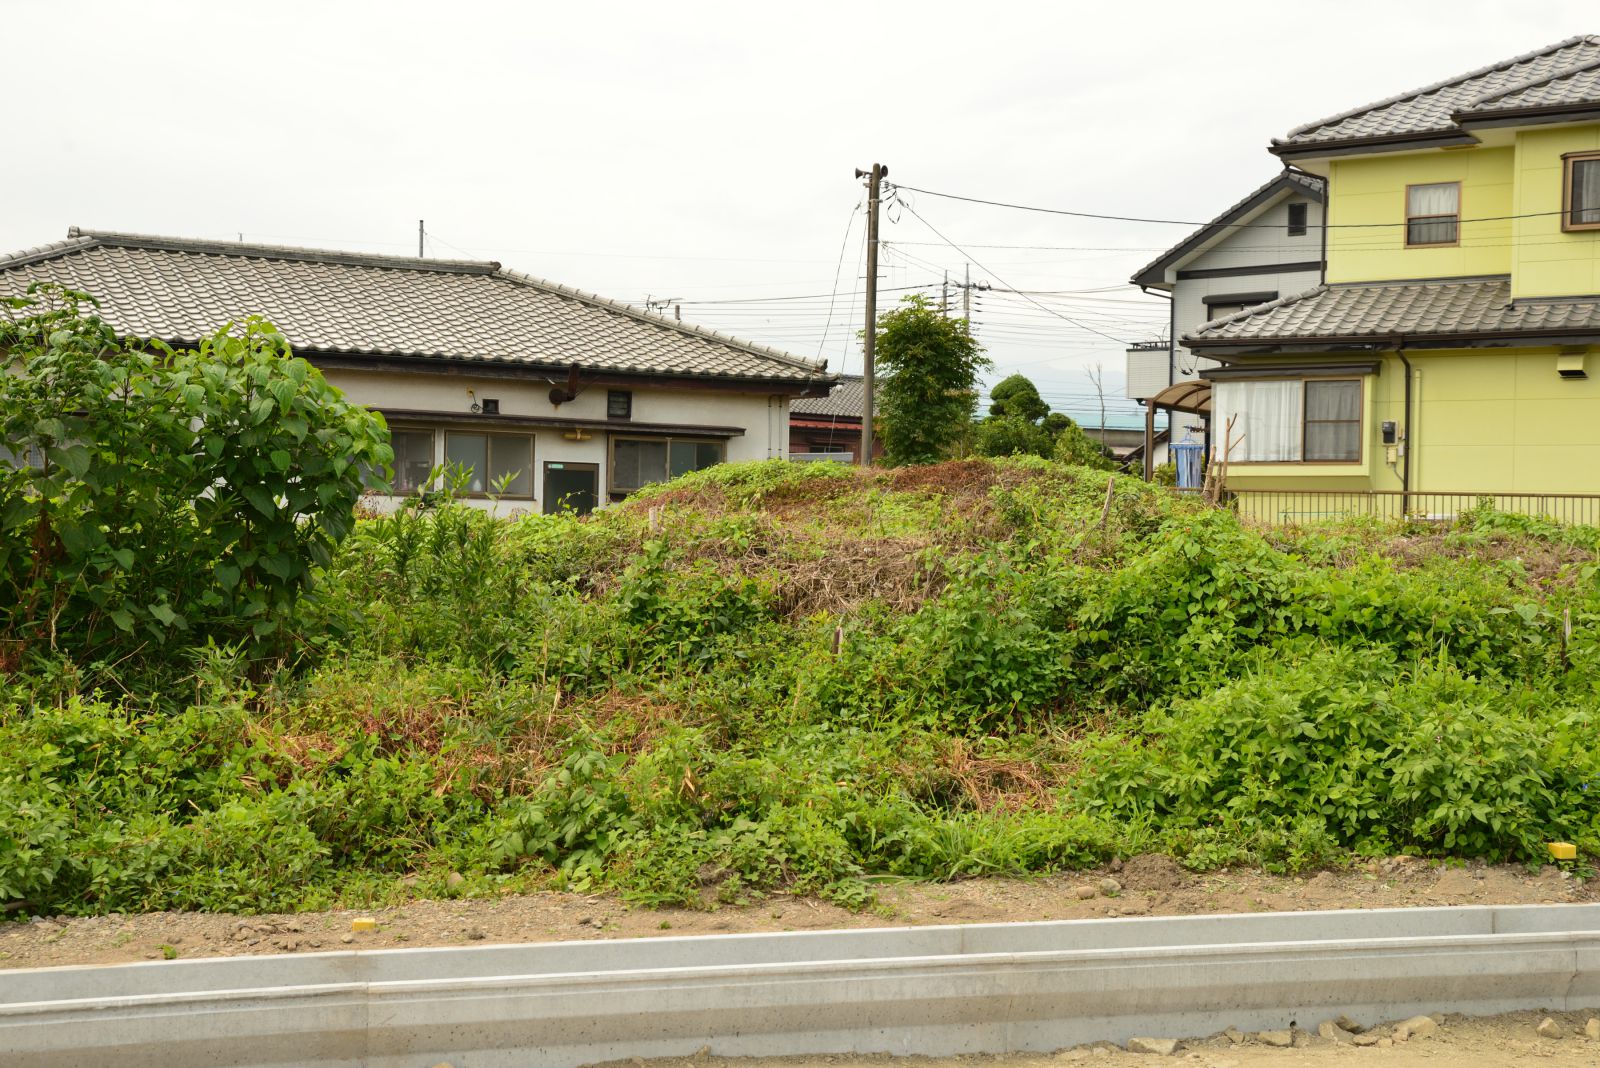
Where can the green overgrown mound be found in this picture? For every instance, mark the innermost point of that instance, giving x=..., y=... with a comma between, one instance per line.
x=773, y=677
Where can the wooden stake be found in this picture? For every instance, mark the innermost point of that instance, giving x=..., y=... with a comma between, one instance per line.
x=838, y=639
x=1105, y=513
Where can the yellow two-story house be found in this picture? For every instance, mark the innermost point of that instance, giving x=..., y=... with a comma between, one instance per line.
x=1455, y=343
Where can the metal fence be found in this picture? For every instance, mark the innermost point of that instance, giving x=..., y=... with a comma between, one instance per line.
x=1299, y=507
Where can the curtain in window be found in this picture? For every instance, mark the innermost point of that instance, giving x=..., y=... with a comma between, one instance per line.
x=1440, y=199
x=1333, y=420
x=1266, y=419
x=1586, y=191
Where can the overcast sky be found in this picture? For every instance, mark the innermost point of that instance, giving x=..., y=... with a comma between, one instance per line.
x=704, y=151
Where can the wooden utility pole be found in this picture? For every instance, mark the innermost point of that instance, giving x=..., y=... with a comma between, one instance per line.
x=874, y=179
x=966, y=297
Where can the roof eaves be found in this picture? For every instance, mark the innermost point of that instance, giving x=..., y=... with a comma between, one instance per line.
x=40, y=253
x=1578, y=111
x=1286, y=180
x=160, y=243
x=700, y=332
x=1438, y=137
x=1436, y=86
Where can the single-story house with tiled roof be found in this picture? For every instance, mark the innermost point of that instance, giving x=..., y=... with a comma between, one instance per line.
x=1454, y=343
x=829, y=427
x=571, y=398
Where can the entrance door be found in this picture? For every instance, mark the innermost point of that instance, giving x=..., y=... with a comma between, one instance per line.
x=571, y=487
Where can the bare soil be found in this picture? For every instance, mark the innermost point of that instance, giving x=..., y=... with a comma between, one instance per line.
x=1143, y=886
x=1460, y=1042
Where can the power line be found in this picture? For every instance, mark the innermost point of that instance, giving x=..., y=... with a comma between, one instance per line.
x=1190, y=222
x=974, y=259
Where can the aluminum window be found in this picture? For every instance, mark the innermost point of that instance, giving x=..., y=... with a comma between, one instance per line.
x=1433, y=214
x=497, y=464
x=413, y=460
x=637, y=462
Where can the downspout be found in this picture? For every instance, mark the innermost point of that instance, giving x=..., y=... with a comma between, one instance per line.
x=1405, y=456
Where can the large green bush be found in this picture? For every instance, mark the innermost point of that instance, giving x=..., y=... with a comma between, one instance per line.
x=159, y=497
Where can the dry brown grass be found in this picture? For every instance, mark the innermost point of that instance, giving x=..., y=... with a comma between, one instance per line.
x=964, y=779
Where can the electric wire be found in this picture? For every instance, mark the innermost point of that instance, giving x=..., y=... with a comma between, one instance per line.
x=1190, y=222
x=988, y=270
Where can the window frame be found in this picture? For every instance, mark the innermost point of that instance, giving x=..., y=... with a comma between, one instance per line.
x=488, y=459
x=619, y=399
x=668, y=441
x=1457, y=216
x=1294, y=229
x=1360, y=421
x=433, y=463
x=1569, y=163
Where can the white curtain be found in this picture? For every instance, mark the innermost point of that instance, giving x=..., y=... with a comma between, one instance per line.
x=1266, y=419
x=1586, y=191
x=1441, y=199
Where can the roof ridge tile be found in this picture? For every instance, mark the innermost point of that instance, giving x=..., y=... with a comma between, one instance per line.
x=255, y=250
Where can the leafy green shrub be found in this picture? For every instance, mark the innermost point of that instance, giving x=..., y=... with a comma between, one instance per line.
x=1375, y=756
x=165, y=495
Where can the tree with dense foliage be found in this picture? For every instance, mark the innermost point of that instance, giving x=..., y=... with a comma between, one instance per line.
x=927, y=389
x=156, y=495
x=1017, y=396
x=1020, y=423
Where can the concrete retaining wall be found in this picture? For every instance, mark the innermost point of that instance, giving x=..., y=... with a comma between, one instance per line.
x=928, y=990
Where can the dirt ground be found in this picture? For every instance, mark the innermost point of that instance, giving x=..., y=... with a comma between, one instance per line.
x=1142, y=886
x=1460, y=1042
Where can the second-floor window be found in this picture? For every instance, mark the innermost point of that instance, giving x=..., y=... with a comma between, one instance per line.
x=1433, y=214
x=1297, y=219
x=1581, y=210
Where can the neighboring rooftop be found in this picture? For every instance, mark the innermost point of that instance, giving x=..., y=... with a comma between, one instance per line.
x=1559, y=78
x=358, y=304
x=847, y=400
x=1286, y=181
x=1459, y=311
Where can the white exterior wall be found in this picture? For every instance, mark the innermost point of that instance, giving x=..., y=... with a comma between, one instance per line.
x=1265, y=243
x=763, y=418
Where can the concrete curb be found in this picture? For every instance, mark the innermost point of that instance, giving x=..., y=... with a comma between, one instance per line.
x=924, y=990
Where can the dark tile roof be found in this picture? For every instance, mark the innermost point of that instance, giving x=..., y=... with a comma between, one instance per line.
x=1297, y=181
x=1465, y=308
x=1435, y=109
x=338, y=303
x=847, y=399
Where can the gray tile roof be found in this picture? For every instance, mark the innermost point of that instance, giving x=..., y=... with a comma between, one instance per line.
x=1433, y=109
x=847, y=399
x=1468, y=308
x=1579, y=85
x=345, y=303
x=1297, y=181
